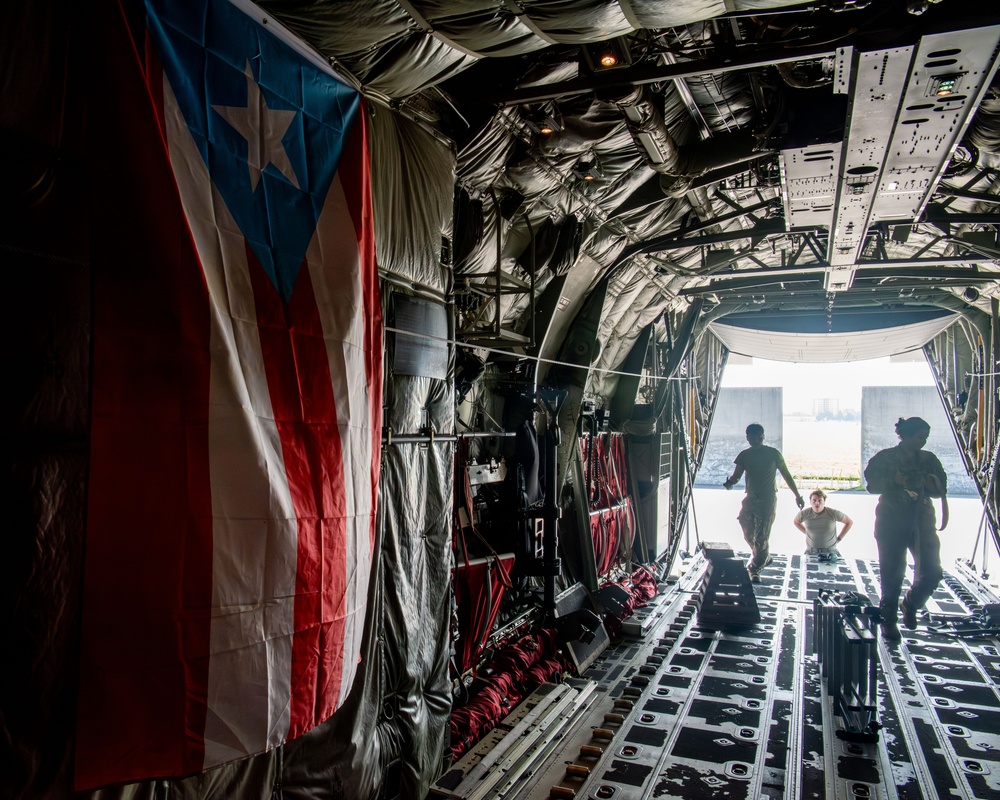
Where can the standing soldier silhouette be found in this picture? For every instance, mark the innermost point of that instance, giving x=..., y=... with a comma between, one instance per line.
x=760, y=463
x=906, y=477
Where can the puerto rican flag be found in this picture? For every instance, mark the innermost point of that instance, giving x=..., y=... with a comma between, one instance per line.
x=236, y=395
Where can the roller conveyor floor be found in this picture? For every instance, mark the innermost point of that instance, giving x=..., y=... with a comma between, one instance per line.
x=678, y=709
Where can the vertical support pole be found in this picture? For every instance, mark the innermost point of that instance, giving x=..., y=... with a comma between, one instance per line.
x=981, y=398
x=991, y=373
x=872, y=667
x=551, y=564
x=550, y=536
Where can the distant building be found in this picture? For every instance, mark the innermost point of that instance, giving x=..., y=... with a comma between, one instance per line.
x=825, y=407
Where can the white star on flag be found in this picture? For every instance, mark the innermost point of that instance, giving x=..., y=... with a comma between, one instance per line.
x=263, y=128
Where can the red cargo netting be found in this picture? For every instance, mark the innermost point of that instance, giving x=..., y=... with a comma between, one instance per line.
x=606, y=478
x=517, y=671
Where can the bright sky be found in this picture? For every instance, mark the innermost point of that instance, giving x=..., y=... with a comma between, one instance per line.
x=803, y=383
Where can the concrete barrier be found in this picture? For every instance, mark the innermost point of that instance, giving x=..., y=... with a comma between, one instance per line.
x=737, y=408
x=882, y=406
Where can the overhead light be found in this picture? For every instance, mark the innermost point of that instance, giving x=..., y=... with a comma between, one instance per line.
x=610, y=54
x=944, y=85
x=587, y=169
x=544, y=122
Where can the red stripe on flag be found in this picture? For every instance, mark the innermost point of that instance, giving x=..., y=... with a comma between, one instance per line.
x=147, y=584
x=355, y=176
x=301, y=391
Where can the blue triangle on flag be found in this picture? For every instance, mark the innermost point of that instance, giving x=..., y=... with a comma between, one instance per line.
x=269, y=124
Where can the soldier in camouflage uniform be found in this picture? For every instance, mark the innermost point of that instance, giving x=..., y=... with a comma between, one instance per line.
x=760, y=463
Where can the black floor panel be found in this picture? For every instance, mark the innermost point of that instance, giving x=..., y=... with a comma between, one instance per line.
x=745, y=712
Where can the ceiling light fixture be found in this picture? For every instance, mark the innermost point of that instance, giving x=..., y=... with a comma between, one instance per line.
x=944, y=85
x=611, y=54
x=544, y=122
x=587, y=169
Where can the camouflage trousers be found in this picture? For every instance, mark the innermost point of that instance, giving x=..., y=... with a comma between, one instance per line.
x=756, y=518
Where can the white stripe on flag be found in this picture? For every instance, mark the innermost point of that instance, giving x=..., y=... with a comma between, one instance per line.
x=254, y=525
x=333, y=255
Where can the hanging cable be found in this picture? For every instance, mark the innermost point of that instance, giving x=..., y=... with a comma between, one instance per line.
x=536, y=359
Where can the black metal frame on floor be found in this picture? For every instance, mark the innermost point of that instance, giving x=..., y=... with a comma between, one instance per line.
x=845, y=638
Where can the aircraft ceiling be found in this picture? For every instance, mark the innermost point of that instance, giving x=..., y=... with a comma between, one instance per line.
x=744, y=155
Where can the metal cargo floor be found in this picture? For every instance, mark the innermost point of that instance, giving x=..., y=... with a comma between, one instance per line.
x=684, y=711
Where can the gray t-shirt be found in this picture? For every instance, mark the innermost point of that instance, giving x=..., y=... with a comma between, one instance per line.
x=821, y=528
x=761, y=464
